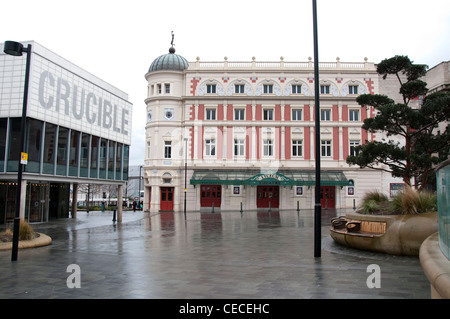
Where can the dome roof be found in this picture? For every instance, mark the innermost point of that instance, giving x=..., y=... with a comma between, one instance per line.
x=169, y=61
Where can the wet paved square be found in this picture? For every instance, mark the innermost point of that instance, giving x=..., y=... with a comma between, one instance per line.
x=207, y=255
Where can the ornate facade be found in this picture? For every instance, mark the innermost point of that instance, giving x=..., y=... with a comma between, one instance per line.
x=241, y=134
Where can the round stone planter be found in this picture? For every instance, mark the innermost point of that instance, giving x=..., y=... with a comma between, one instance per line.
x=399, y=234
x=41, y=240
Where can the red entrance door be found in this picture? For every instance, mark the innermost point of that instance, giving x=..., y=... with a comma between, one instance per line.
x=210, y=194
x=327, y=199
x=166, y=198
x=268, y=194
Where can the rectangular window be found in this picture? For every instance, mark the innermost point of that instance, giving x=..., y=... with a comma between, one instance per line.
x=325, y=115
x=167, y=88
x=239, y=88
x=353, y=145
x=352, y=89
x=268, y=88
x=103, y=156
x=268, y=114
x=296, y=89
x=61, y=158
x=84, y=155
x=111, y=156
x=353, y=115
x=119, y=161
x=239, y=146
x=210, y=88
x=159, y=88
x=297, y=148
x=325, y=148
x=94, y=156
x=49, y=149
x=167, y=149
x=34, y=146
x=126, y=155
x=268, y=147
x=210, y=114
x=239, y=114
x=3, y=126
x=210, y=148
x=74, y=152
x=296, y=115
x=324, y=89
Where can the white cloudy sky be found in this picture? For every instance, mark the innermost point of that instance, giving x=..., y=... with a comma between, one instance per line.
x=118, y=40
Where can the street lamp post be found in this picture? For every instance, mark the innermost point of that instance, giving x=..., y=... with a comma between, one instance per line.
x=185, y=175
x=317, y=207
x=140, y=177
x=16, y=49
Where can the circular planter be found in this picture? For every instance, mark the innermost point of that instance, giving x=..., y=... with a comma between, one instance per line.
x=42, y=240
x=403, y=234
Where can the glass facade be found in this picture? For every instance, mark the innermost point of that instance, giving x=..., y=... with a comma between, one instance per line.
x=60, y=151
x=43, y=201
x=443, y=200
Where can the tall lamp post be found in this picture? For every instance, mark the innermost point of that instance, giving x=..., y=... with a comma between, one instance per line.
x=185, y=175
x=317, y=207
x=140, y=177
x=16, y=49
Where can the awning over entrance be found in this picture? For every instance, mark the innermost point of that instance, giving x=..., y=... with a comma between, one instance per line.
x=256, y=177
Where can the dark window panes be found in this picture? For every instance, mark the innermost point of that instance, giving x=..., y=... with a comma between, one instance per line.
x=111, y=151
x=34, y=146
x=119, y=161
x=84, y=155
x=74, y=151
x=126, y=155
x=94, y=157
x=49, y=149
x=3, y=126
x=61, y=156
x=14, y=145
x=103, y=158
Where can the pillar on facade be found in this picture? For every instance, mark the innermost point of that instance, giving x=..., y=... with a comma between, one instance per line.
x=74, y=199
x=119, y=202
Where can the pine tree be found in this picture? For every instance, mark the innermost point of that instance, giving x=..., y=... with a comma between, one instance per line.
x=412, y=146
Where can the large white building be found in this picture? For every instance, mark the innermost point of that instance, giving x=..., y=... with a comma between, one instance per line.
x=77, y=131
x=242, y=133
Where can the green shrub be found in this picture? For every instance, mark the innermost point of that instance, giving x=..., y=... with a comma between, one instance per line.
x=413, y=202
x=26, y=232
x=409, y=201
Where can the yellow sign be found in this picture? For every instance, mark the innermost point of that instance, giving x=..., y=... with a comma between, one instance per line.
x=23, y=158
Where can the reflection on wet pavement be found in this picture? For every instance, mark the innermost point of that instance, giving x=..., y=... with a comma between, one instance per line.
x=254, y=254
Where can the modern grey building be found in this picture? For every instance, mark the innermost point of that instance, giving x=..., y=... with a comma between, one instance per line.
x=78, y=130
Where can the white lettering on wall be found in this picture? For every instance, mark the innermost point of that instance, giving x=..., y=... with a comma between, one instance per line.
x=79, y=104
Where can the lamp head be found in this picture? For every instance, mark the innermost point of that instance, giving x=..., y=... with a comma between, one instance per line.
x=13, y=48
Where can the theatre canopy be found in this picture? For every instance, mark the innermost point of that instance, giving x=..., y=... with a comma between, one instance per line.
x=257, y=177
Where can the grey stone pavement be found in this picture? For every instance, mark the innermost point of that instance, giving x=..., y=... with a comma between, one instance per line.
x=226, y=255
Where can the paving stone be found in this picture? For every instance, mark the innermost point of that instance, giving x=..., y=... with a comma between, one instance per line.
x=229, y=256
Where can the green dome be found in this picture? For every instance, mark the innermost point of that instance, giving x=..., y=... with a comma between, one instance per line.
x=169, y=61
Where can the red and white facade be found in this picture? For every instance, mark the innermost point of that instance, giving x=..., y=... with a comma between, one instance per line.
x=245, y=131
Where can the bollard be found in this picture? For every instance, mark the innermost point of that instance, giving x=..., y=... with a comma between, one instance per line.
x=354, y=204
x=269, y=208
x=212, y=211
x=114, y=216
x=298, y=206
x=241, y=209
